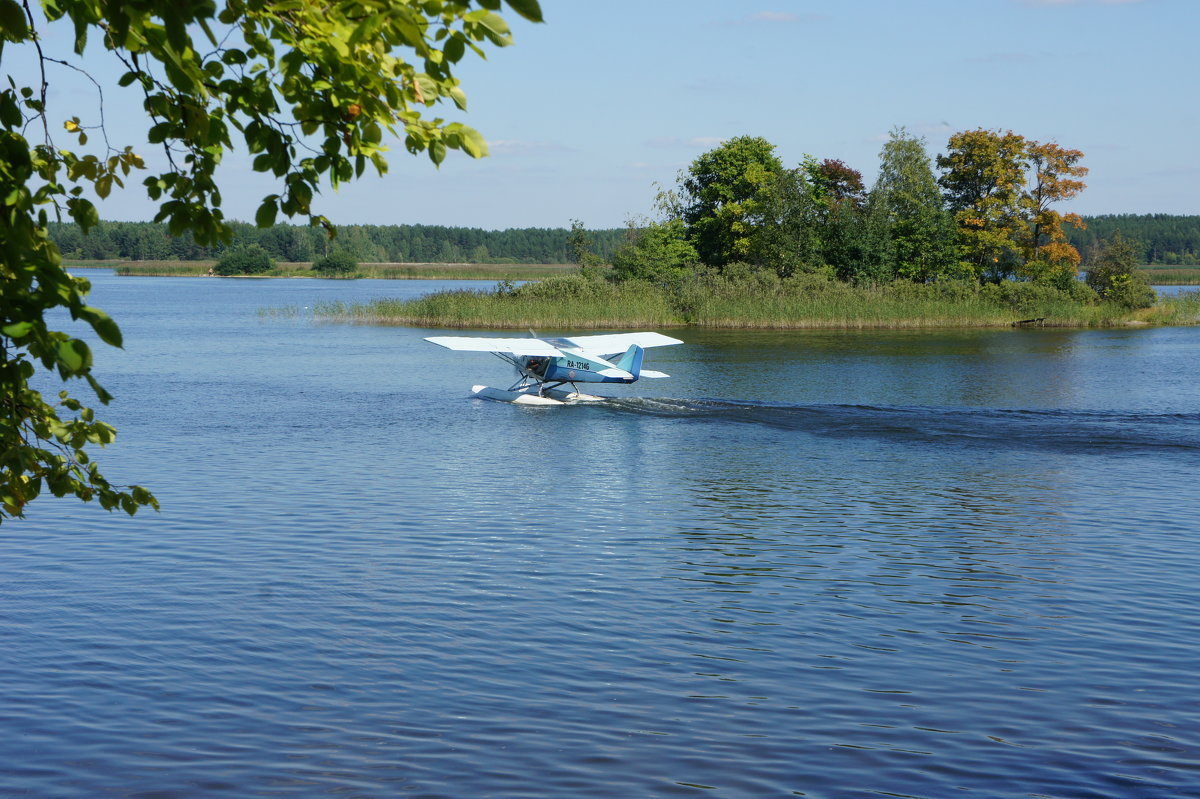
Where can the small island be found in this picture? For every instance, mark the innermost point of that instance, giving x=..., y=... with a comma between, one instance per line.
x=745, y=242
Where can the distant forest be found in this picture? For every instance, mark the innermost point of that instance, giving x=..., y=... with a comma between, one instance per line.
x=1160, y=238
x=147, y=241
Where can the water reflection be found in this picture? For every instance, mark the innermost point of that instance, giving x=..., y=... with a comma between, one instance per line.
x=792, y=565
x=1016, y=369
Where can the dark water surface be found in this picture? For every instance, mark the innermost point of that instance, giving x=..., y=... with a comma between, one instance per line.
x=826, y=564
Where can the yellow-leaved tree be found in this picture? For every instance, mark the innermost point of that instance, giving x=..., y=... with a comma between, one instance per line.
x=1055, y=177
x=983, y=178
x=999, y=187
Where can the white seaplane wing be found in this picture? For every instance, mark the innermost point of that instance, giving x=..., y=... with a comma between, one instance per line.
x=619, y=342
x=514, y=346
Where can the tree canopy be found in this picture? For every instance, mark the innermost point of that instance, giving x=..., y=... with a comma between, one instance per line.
x=721, y=192
x=999, y=187
x=247, y=260
x=987, y=216
x=1114, y=276
x=309, y=89
x=920, y=228
x=983, y=174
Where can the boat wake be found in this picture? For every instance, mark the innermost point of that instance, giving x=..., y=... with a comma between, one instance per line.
x=1055, y=430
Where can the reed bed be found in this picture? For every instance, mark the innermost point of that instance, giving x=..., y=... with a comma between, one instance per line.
x=464, y=271
x=609, y=306
x=814, y=303
x=1172, y=275
x=757, y=301
x=1180, y=309
x=163, y=268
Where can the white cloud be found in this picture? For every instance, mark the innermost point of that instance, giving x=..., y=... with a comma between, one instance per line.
x=503, y=147
x=774, y=18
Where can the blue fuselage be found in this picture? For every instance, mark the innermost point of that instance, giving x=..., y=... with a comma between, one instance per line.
x=575, y=367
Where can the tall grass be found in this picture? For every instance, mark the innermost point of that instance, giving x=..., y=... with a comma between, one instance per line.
x=464, y=271
x=1172, y=275
x=1180, y=309
x=754, y=300
x=164, y=268
x=569, y=301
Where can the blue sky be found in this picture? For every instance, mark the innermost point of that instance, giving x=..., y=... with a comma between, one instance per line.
x=586, y=113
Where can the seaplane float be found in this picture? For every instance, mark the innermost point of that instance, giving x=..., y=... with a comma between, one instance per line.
x=545, y=366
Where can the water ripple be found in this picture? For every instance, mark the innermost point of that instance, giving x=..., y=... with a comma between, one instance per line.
x=363, y=584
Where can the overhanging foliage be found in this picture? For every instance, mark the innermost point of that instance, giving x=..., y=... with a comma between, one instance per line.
x=310, y=89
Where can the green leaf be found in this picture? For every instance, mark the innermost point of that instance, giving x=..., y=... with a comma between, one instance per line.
x=10, y=111
x=73, y=355
x=176, y=32
x=428, y=88
x=496, y=27
x=158, y=133
x=101, y=392
x=302, y=193
x=103, y=324
x=16, y=329
x=81, y=32
x=12, y=21
x=527, y=8
x=381, y=165
x=84, y=213
x=454, y=49
x=437, y=152
x=265, y=217
x=473, y=143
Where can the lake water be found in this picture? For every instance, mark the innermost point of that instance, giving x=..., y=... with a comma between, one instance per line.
x=823, y=564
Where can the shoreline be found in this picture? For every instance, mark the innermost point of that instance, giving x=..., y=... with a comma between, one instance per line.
x=804, y=304
x=417, y=270
x=814, y=324
x=368, y=270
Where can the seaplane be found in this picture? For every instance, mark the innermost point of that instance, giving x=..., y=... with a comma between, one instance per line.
x=544, y=366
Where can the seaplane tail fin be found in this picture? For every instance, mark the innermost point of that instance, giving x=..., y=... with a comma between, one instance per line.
x=631, y=361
